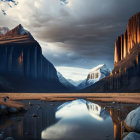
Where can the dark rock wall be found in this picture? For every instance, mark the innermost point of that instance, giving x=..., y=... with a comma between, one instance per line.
x=25, y=59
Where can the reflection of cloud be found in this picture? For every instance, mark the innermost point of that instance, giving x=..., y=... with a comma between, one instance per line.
x=72, y=109
x=76, y=123
x=58, y=131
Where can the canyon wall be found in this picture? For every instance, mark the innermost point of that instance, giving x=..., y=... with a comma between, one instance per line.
x=23, y=65
x=125, y=76
x=21, y=55
x=128, y=40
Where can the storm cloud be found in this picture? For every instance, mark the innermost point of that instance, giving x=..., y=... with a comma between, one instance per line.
x=74, y=33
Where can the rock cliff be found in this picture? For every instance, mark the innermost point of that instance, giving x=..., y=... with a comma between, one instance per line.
x=126, y=72
x=21, y=56
x=96, y=74
x=126, y=42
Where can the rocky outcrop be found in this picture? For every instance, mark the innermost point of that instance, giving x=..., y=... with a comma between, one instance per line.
x=126, y=72
x=21, y=56
x=132, y=124
x=128, y=40
x=97, y=73
x=132, y=136
x=132, y=121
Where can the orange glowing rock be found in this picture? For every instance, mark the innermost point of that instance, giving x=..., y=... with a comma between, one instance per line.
x=20, y=59
x=129, y=39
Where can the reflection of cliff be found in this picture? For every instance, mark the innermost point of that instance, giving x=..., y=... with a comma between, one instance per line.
x=30, y=128
x=96, y=111
x=21, y=56
x=118, y=114
x=117, y=122
x=126, y=72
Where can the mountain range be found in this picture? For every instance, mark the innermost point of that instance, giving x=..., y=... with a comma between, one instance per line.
x=97, y=73
x=23, y=68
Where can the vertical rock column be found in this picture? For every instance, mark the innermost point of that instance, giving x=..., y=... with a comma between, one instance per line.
x=117, y=56
x=129, y=36
x=26, y=62
x=122, y=46
x=125, y=45
x=138, y=29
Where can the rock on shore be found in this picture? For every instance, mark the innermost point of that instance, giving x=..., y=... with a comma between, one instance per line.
x=132, y=136
x=132, y=121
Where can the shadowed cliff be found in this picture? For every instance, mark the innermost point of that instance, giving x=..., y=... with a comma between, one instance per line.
x=23, y=68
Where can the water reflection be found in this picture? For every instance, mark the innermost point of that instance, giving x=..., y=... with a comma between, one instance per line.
x=78, y=119
x=97, y=112
x=118, y=113
x=82, y=120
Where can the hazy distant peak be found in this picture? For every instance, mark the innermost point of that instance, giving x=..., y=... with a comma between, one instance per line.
x=3, y=30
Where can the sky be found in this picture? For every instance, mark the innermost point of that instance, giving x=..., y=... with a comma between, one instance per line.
x=75, y=35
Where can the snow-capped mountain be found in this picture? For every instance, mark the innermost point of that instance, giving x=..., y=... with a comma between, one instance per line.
x=96, y=74
x=18, y=31
x=3, y=30
x=65, y=82
x=75, y=83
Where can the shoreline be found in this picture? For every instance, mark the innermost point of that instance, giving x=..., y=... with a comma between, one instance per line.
x=133, y=98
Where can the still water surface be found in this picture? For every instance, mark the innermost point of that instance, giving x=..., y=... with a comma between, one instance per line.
x=74, y=120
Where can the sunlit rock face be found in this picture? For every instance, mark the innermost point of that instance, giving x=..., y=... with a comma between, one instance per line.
x=80, y=119
x=126, y=73
x=127, y=57
x=21, y=54
x=97, y=73
x=129, y=39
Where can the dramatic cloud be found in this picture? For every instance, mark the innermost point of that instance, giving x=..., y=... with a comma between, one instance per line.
x=74, y=33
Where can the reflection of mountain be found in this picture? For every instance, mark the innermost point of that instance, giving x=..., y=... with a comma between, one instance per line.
x=82, y=120
x=23, y=68
x=96, y=111
x=65, y=82
x=118, y=113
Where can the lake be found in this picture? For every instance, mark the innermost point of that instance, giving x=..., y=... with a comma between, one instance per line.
x=73, y=120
